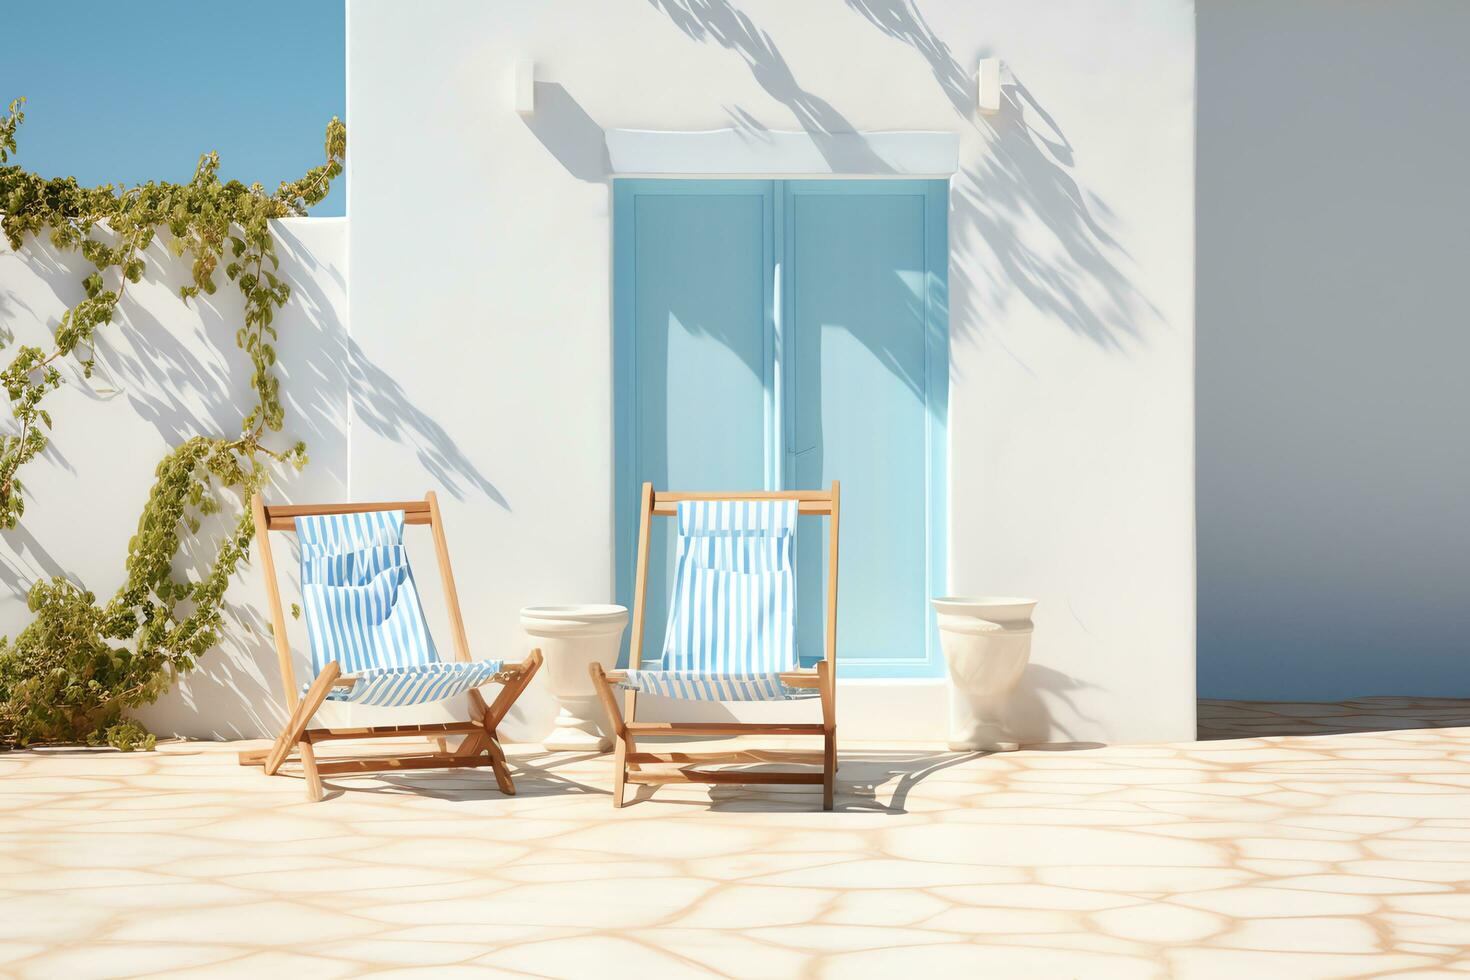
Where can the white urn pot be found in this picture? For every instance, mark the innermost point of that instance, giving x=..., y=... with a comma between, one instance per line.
x=571, y=639
x=986, y=642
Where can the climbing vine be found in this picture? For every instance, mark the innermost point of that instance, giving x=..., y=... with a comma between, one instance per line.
x=71, y=673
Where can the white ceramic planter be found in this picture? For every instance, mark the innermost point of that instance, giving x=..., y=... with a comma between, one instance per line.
x=986, y=642
x=572, y=638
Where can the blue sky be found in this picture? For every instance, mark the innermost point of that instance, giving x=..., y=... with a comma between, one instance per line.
x=132, y=92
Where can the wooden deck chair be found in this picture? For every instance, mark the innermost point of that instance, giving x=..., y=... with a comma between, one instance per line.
x=731, y=636
x=370, y=644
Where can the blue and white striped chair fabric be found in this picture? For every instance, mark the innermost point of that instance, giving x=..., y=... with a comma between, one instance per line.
x=732, y=618
x=362, y=610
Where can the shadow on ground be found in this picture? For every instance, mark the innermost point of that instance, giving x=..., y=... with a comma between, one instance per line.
x=1219, y=719
x=868, y=780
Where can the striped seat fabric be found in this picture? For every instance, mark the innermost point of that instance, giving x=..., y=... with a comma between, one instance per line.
x=362, y=610
x=732, y=619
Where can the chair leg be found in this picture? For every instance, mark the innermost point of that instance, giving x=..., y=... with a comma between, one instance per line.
x=604, y=690
x=625, y=747
x=498, y=765
x=313, y=778
x=620, y=769
x=829, y=769
x=301, y=716
x=491, y=718
x=478, y=707
x=471, y=746
x=500, y=707
x=630, y=711
x=829, y=734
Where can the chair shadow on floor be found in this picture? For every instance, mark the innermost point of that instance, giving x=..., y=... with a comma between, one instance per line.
x=1222, y=719
x=535, y=775
x=863, y=780
x=868, y=781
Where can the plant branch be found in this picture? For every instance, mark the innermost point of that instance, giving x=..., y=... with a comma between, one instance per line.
x=63, y=678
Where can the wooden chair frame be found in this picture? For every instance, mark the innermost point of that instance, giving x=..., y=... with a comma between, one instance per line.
x=628, y=762
x=480, y=745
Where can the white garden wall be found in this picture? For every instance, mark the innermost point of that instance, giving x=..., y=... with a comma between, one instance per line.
x=479, y=359
x=165, y=372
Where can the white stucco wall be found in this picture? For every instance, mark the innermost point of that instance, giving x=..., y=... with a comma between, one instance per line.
x=166, y=371
x=1334, y=465
x=480, y=296
x=479, y=359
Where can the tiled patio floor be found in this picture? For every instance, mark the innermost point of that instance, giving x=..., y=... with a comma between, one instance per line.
x=1336, y=855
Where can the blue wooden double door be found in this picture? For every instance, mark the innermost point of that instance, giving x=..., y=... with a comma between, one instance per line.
x=780, y=335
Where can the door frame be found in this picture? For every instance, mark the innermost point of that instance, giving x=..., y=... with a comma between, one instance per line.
x=778, y=299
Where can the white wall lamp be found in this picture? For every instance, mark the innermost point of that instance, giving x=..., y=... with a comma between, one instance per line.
x=524, y=87
x=987, y=86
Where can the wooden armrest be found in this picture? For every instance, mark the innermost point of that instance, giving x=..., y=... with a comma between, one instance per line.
x=507, y=671
x=510, y=672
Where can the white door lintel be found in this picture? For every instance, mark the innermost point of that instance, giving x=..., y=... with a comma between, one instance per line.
x=744, y=153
